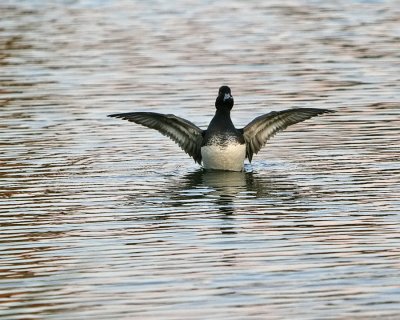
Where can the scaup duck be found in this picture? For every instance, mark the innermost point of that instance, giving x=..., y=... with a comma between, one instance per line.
x=221, y=146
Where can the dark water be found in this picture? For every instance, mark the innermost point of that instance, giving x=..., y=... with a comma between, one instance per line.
x=101, y=218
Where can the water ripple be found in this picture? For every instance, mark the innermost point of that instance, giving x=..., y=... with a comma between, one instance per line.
x=103, y=219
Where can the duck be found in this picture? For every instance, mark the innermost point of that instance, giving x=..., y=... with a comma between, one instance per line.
x=222, y=146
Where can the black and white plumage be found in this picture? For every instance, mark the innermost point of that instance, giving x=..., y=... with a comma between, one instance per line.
x=183, y=132
x=221, y=146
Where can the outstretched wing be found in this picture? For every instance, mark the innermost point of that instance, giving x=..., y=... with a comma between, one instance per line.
x=183, y=132
x=262, y=128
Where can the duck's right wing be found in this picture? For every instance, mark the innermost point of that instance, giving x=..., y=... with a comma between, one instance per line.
x=262, y=128
x=183, y=132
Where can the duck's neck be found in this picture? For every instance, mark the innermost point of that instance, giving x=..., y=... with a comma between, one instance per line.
x=222, y=119
x=223, y=112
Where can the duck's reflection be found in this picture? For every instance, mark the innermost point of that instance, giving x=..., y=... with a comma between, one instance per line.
x=224, y=188
x=220, y=194
x=212, y=191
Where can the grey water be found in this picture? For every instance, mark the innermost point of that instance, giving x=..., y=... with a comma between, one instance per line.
x=105, y=219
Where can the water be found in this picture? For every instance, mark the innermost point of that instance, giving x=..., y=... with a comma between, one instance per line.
x=102, y=218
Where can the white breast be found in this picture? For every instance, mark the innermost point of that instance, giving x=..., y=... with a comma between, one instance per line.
x=224, y=157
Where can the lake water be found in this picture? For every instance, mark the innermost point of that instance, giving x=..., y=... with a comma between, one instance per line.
x=101, y=218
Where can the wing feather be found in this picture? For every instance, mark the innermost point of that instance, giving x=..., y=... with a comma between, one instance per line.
x=183, y=132
x=262, y=128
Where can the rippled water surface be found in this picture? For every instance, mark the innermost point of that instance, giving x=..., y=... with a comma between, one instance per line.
x=101, y=218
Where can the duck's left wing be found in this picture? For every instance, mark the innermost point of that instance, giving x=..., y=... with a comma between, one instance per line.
x=262, y=128
x=183, y=132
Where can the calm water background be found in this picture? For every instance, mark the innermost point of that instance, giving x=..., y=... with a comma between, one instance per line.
x=101, y=218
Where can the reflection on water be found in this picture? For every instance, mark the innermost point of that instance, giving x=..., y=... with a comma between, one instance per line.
x=222, y=190
x=105, y=219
